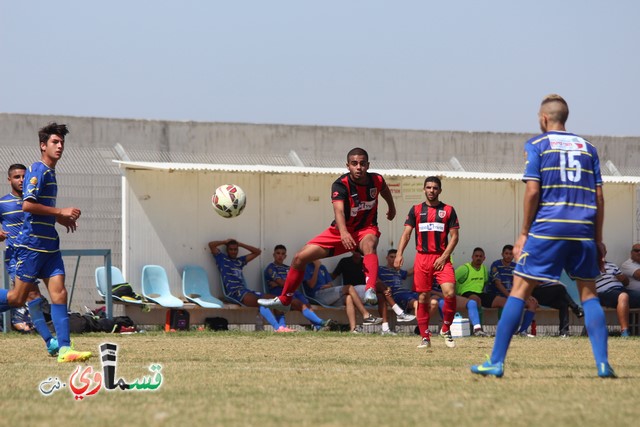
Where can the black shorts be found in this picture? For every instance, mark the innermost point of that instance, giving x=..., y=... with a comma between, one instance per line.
x=486, y=300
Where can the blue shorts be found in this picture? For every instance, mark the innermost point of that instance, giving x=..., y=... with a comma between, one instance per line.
x=296, y=295
x=544, y=259
x=238, y=292
x=402, y=298
x=33, y=265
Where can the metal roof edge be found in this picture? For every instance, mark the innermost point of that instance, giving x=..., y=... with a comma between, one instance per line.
x=203, y=167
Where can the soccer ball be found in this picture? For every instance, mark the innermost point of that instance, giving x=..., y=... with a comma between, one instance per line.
x=229, y=200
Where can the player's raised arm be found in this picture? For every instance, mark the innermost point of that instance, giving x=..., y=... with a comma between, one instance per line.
x=213, y=246
x=255, y=252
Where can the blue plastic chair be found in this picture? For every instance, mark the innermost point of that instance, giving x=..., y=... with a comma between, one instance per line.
x=195, y=287
x=265, y=285
x=155, y=287
x=116, y=279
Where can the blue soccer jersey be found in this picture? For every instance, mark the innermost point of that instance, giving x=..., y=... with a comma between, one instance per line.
x=324, y=277
x=274, y=272
x=231, y=272
x=392, y=278
x=502, y=272
x=12, y=219
x=568, y=169
x=39, y=231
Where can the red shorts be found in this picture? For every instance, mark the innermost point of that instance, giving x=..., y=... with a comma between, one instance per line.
x=330, y=239
x=423, y=272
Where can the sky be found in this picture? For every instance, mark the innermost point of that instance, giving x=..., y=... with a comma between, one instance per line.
x=450, y=65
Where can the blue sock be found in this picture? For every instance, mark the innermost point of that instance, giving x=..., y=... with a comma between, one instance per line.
x=526, y=320
x=35, y=312
x=282, y=322
x=4, y=302
x=506, y=328
x=313, y=318
x=60, y=318
x=269, y=317
x=596, y=326
x=441, y=307
x=472, y=309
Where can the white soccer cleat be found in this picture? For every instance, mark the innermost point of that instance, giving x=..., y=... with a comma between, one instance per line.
x=448, y=340
x=274, y=303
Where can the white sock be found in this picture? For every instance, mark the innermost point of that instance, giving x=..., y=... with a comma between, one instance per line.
x=385, y=326
x=396, y=309
x=477, y=327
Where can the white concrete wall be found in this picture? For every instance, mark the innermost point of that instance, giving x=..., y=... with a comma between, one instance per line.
x=314, y=143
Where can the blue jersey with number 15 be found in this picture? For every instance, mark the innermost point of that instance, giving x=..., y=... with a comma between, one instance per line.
x=568, y=169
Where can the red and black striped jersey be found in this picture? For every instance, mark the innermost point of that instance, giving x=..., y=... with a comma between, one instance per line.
x=432, y=226
x=360, y=201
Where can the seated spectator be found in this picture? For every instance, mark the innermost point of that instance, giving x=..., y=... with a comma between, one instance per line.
x=555, y=295
x=612, y=293
x=230, y=266
x=631, y=268
x=471, y=279
x=405, y=300
x=352, y=271
x=318, y=284
x=500, y=283
x=274, y=276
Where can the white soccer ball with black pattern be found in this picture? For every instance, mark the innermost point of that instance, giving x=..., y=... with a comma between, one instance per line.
x=229, y=200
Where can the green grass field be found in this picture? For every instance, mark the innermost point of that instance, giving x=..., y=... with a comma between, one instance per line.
x=325, y=379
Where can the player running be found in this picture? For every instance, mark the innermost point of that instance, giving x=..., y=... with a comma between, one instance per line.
x=38, y=245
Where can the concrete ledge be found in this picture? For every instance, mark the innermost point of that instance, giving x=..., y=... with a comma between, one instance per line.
x=235, y=314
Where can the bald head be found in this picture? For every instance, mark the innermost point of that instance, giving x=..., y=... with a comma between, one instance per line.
x=554, y=113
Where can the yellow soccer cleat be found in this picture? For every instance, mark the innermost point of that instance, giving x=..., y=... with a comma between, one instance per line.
x=68, y=354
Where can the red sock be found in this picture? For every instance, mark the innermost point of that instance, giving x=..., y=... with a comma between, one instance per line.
x=422, y=316
x=370, y=263
x=448, y=311
x=294, y=278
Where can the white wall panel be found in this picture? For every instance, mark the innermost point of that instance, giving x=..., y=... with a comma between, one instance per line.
x=171, y=219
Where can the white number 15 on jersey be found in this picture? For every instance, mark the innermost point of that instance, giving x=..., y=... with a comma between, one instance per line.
x=570, y=167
